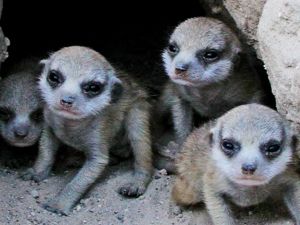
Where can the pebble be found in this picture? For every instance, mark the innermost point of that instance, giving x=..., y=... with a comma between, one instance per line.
x=120, y=217
x=34, y=193
x=142, y=197
x=91, y=210
x=78, y=208
x=163, y=172
x=160, y=173
x=177, y=210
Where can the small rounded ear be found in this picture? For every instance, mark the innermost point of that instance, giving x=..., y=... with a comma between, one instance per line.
x=237, y=51
x=44, y=61
x=117, y=91
x=41, y=66
x=212, y=132
x=211, y=139
x=294, y=145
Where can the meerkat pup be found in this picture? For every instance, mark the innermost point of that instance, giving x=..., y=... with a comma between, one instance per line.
x=209, y=74
x=90, y=107
x=245, y=157
x=21, y=112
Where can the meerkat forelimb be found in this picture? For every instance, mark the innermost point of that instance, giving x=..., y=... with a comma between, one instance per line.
x=245, y=157
x=90, y=106
x=209, y=74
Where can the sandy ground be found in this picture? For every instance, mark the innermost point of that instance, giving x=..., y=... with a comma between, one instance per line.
x=20, y=203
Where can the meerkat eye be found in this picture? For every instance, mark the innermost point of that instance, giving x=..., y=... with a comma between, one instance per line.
x=210, y=55
x=37, y=115
x=173, y=48
x=6, y=114
x=272, y=149
x=92, y=89
x=229, y=147
x=55, y=78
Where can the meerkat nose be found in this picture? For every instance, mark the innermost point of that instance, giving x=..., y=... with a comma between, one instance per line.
x=21, y=131
x=181, y=68
x=67, y=101
x=249, y=168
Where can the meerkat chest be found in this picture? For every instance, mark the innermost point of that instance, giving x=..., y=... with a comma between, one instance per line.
x=76, y=134
x=245, y=197
x=208, y=103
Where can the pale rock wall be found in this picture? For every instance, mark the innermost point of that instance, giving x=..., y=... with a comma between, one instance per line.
x=4, y=41
x=279, y=45
x=272, y=29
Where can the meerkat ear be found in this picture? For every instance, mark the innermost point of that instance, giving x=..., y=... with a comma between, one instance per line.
x=44, y=61
x=295, y=145
x=237, y=52
x=211, y=138
x=41, y=66
x=212, y=131
x=117, y=90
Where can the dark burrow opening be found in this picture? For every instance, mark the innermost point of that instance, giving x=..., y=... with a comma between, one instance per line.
x=130, y=34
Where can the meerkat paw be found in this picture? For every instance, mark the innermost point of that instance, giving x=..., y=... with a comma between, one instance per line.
x=57, y=207
x=137, y=186
x=30, y=174
x=132, y=189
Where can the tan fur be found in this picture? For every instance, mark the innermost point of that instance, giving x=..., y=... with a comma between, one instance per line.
x=200, y=178
x=208, y=88
x=102, y=124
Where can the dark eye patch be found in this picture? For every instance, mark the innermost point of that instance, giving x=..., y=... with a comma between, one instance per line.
x=92, y=88
x=271, y=149
x=55, y=78
x=6, y=114
x=37, y=115
x=173, y=49
x=209, y=55
x=230, y=147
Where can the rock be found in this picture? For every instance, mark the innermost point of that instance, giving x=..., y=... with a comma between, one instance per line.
x=160, y=173
x=120, y=217
x=34, y=193
x=4, y=43
x=279, y=45
x=241, y=15
x=176, y=210
x=78, y=207
x=246, y=15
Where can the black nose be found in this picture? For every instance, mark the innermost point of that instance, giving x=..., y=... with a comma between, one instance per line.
x=249, y=168
x=67, y=101
x=180, y=68
x=21, y=132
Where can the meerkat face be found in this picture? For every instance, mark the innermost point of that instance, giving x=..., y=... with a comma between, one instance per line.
x=251, y=144
x=21, y=113
x=77, y=82
x=201, y=51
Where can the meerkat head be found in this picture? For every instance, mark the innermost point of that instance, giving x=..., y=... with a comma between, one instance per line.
x=201, y=51
x=78, y=82
x=251, y=144
x=21, y=113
